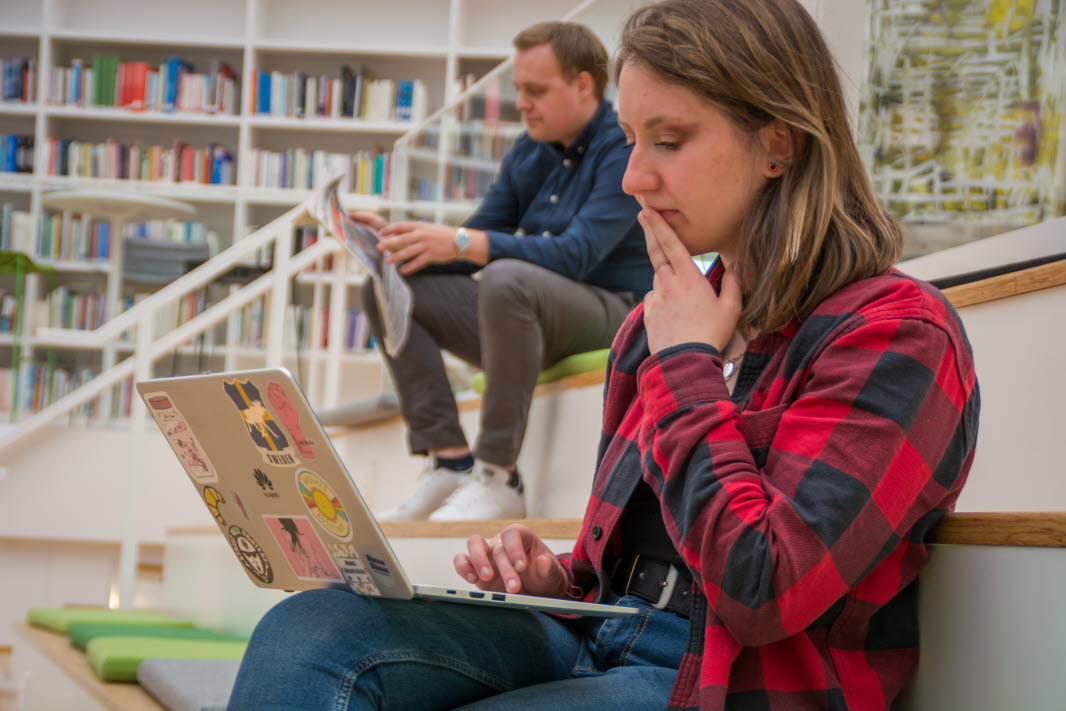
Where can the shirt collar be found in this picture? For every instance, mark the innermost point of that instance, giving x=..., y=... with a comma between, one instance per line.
x=580, y=146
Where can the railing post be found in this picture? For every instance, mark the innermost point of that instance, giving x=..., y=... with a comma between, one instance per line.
x=338, y=312
x=279, y=296
x=127, y=566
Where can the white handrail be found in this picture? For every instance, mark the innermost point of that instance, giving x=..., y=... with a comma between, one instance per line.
x=139, y=319
x=195, y=280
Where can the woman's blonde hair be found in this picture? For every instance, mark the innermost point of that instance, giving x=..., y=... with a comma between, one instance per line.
x=818, y=226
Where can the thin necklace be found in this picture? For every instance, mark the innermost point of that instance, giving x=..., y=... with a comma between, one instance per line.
x=729, y=367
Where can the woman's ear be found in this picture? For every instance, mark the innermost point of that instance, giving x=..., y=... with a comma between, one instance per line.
x=776, y=139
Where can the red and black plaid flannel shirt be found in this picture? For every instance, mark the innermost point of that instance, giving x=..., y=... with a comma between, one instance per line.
x=801, y=503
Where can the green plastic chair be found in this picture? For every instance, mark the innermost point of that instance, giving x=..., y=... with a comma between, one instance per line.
x=571, y=365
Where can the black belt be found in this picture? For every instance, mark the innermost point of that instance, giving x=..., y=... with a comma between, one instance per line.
x=663, y=585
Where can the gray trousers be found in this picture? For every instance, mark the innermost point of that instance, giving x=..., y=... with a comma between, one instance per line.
x=513, y=321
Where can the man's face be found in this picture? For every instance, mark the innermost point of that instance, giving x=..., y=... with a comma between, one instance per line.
x=552, y=107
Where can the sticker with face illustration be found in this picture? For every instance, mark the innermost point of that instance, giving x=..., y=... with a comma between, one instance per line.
x=289, y=417
x=262, y=427
x=323, y=504
x=181, y=439
x=302, y=548
x=250, y=554
x=353, y=570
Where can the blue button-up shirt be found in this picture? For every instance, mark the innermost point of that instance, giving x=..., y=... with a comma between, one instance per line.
x=563, y=208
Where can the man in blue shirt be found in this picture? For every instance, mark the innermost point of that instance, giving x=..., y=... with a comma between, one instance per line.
x=562, y=261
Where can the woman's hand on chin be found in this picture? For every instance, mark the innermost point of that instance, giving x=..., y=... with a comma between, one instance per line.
x=682, y=306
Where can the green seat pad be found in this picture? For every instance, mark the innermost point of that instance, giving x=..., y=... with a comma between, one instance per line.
x=60, y=619
x=570, y=365
x=82, y=633
x=117, y=658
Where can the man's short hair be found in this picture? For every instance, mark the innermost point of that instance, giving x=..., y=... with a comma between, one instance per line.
x=576, y=48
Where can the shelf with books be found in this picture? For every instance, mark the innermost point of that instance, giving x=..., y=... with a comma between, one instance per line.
x=200, y=155
x=373, y=88
x=199, y=81
x=16, y=222
x=423, y=42
x=17, y=145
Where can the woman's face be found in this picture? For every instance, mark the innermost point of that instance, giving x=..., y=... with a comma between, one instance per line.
x=688, y=161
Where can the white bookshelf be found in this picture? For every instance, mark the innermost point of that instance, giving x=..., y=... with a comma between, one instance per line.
x=434, y=41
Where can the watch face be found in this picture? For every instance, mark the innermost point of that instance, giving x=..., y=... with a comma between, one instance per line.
x=462, y=239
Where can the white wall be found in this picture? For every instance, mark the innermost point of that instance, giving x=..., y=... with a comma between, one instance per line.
x=1019, y=347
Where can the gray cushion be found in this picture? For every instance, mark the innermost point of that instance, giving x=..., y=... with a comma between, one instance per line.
x=189, y=684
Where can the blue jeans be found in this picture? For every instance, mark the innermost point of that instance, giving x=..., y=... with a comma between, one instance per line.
x=331, y=649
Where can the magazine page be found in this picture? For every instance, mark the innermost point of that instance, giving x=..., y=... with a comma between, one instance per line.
x=393, y=294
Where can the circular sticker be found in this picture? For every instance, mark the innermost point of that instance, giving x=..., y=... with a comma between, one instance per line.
x=250, y=554
x=212, y=497
x=323, y=504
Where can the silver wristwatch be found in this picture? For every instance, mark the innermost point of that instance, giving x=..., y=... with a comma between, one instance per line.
x=461, y=242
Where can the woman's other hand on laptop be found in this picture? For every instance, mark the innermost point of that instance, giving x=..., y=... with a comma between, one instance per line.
x=515, y=561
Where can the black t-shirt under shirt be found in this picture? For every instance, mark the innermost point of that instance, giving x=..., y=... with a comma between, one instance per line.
x=643, y=531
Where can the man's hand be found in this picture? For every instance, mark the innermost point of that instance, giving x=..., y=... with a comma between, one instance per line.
x=371, y=219
x=417, y=245
x=682, y=307
x=515, y=560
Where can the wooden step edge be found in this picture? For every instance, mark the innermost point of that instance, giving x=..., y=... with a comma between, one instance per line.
x=1046, y=529
x=1005, y=285
x=1038, y=529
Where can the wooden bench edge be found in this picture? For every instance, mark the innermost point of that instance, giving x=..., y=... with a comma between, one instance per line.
x=1039, y=529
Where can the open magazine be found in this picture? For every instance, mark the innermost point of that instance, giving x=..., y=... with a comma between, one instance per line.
x=393, y=294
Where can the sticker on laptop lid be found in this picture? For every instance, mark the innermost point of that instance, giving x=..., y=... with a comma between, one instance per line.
x=212, y=497
x=353, y=570
x=250, y=554
x=323, y=504
x=302, y=547
x=236, y=498
x=177, y=432
x=265, y=484
x=262, y=427
x=289, y=417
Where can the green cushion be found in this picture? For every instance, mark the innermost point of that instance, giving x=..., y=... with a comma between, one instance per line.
x=61, y=618
x=570, y=365
x=117, y=658
x=82, y=633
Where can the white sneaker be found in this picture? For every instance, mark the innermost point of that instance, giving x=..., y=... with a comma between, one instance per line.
x=433, y=487
x=484, y=495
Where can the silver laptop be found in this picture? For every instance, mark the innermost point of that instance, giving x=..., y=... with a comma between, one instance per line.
x=279, y=493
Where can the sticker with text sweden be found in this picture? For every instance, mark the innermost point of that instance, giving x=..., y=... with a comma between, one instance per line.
x=264, y=430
